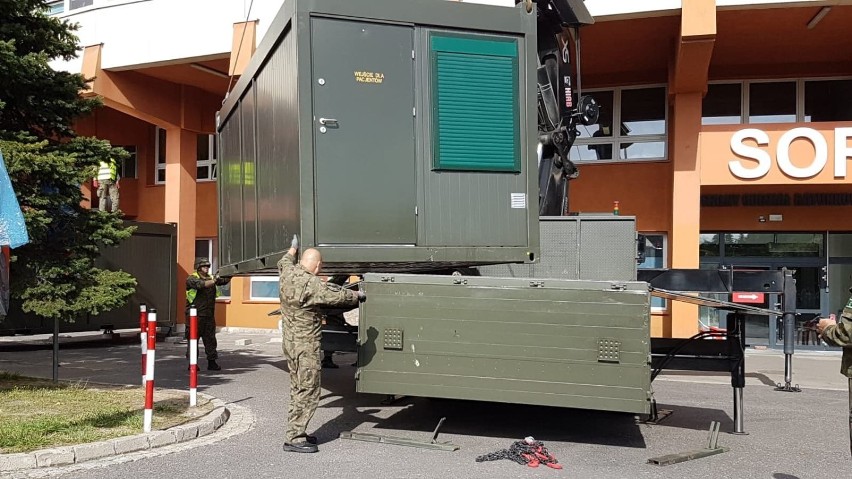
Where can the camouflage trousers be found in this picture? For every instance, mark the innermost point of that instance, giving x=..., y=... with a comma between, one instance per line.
x=206, y=334
x=303, y=362
x=107, y=188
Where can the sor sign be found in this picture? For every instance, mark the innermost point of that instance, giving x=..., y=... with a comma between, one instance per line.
x=782, y=153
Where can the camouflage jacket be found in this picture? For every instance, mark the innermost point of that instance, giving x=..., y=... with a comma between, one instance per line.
x=205, y=298
x=841, y=335
x=304, y=296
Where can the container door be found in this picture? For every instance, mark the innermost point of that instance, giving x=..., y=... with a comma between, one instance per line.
x=363, y=101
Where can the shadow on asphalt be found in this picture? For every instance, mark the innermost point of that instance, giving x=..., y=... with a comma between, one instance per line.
x=486, y=419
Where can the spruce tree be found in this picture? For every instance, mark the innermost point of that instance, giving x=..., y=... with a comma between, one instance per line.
x=54, y=275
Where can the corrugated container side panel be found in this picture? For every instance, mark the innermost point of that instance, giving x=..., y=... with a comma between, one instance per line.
x=469, y=208
x=507, y=344
x=249, y=172
x=149, y=255
x=278, y=148
x=230, y=230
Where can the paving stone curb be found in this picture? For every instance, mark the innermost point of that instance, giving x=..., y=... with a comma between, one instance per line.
x=66, y=455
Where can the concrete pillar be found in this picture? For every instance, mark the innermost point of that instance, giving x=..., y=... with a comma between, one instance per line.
x=181, y=170
x=687, y=86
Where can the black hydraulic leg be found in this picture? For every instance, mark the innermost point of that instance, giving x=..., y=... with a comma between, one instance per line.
x=736, y=353
x=789, y=321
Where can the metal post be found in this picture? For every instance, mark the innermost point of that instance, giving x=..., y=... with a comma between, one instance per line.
x=149, y=385
x=56, y=350
x=193, y=357
x=850, y=415
x=789, y=320
x=736, y=353
x=143, y=337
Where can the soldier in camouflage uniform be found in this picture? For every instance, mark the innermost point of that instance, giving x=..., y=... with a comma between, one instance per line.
x=840, y=334
x=303, y=295
x=201, y=293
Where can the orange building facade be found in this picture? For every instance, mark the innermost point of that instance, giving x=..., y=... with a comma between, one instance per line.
x=732, y=146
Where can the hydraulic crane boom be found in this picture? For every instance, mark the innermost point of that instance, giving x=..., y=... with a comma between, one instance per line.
x=560, y=107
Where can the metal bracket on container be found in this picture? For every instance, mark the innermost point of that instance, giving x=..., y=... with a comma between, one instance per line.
x=618, y=286
x=403, y=441
x=459, y=280
x=387, y=279
x=711, y=450
x=536, y=284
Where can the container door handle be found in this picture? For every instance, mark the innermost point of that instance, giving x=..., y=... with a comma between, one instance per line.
x=328, y=121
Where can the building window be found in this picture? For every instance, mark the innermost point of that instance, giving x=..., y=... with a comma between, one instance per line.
x=127, y=168
x=264, y=288
x=641, y=135
x=55, y=8
x=655, y=257
x=723, y=104
x=828, y=100
x=206, y=248
x=772, y=102
x=786, y=101
x=160, y=160
x=207, y=158
x=75, y=4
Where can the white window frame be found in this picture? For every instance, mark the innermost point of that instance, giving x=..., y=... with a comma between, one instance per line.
x=159, y=163
x=267, y=279
x=617, y=138
x=53, y=10
x=665, y=256
x=211, y=162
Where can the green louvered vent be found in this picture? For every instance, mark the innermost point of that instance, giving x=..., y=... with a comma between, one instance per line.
x=475, y=103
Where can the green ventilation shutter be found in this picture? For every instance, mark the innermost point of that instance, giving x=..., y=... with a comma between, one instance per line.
x=475, y=103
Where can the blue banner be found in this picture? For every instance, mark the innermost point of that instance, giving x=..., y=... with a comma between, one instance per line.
x=13, y=230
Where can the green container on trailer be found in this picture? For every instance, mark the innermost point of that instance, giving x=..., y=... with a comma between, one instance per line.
x=578, y=344
x=394, y=135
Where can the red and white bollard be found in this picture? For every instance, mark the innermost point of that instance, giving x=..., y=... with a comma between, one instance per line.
x=149, y=369
x=193, y=357
x=143, y=337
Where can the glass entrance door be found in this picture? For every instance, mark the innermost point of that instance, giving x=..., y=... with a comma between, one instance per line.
x=810, y=298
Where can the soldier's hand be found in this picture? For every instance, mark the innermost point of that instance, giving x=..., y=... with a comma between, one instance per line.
x=295, y=242
x=825, y=323
x=362, y=296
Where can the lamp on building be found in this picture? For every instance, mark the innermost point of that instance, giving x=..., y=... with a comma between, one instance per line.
x=819, y=16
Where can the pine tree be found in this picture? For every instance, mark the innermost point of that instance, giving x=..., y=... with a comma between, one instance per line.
x=54, y=276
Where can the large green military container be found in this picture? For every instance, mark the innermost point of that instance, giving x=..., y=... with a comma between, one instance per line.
x=580, y=344
x=395, y=135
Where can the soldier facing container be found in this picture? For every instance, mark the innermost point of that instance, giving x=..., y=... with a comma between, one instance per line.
x=303, y=295
x=201, y=292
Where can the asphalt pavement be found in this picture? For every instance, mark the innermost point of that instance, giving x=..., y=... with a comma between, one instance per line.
x=789, y=435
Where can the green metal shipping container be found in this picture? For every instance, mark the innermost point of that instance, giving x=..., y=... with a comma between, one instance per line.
x=394, y=135
x=579, y=344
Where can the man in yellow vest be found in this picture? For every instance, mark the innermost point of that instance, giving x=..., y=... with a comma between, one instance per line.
x=201, y=293
x=107, y=185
